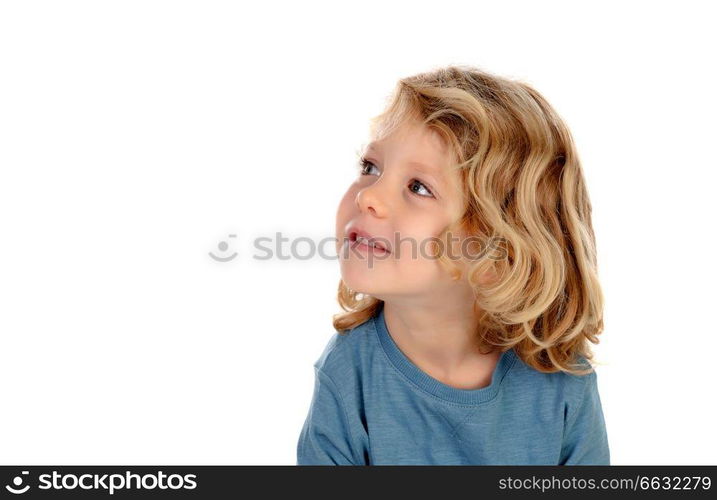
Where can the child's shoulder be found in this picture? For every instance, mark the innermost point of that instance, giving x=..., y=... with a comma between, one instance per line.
x=572, y=386
x=346, y=350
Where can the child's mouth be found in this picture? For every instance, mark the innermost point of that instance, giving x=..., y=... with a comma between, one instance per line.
x=367, y=244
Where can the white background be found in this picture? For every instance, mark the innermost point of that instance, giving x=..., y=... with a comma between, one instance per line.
x=137, y=135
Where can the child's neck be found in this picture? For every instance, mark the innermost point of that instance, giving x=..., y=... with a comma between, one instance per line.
x=440, y=338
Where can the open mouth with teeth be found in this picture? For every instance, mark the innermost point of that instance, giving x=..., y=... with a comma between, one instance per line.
x=358, y=241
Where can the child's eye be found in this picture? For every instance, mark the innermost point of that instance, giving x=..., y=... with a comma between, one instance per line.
x=419, y=183
x=365, y=164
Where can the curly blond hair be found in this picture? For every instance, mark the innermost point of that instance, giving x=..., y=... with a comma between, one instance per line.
x=523, y=185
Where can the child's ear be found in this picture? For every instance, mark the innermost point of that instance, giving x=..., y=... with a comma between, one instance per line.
x=485, y=279
x=488, y=277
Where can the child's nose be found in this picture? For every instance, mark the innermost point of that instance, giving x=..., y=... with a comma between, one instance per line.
x=372, y=199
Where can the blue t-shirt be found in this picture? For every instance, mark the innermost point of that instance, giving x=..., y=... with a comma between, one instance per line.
x=372, y=405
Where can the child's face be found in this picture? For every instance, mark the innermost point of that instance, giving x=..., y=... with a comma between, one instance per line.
x=393, y=199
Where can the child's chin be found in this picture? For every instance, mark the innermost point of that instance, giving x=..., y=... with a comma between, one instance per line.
x=361, y=281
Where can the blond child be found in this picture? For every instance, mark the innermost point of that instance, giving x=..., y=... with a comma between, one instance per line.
x=469, y=288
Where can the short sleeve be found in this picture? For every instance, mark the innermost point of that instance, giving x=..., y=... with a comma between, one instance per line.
x=585, y=439
x=325, y=438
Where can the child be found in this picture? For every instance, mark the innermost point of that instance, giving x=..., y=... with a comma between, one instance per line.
x=469, y=281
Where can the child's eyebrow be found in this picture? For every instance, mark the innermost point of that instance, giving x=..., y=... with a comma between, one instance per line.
x=427, y=168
